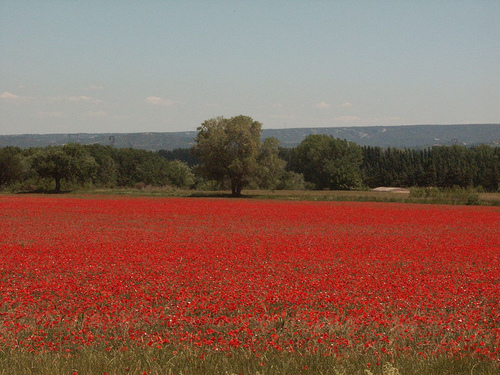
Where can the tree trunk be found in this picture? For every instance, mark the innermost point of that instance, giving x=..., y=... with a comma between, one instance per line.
x=233, y=187
x=236, y=187
x=58, y=185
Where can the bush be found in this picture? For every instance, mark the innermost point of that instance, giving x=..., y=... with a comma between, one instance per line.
x=455, y=195
x=293, y=181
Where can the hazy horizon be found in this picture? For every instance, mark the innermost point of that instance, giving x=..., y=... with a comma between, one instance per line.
x=288, y=128
x=164, y=66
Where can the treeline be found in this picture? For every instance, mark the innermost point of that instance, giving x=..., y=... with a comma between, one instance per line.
x=319, y=162
x=73, y=165
x=439, y=166
x=325, y=162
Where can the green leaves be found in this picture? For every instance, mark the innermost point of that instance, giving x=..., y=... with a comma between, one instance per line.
x=69, y=162
x=228, y=148
x=328, y=162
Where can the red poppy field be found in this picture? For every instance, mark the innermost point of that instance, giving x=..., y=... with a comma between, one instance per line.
x=373, y=283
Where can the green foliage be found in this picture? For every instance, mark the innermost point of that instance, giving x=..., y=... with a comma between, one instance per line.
x=180, y=154
x=12, y=165
x=229, y=148
x=328, y=162
x=487, y=161
x=455, y=195
x=129, y=167
x=233, y=157
x=440, y=166
x=70, y=162
x=180, y=175
x=93, y=165
x=271, y=169
x=107, y=170
x=293, y=181
x=203, y=184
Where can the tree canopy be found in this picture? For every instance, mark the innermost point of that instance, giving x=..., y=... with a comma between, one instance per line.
x=328, y=162
x=70, y=162
x=12, y=167
x=228, y=148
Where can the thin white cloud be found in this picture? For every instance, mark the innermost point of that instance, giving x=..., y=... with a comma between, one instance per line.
x=98, y=114
x=345, y=105
x=84, y=99
x=8, y=95
x=81, y=98
x=155, y=100
x=322, y=105
x=94, y=88
x=55, y=114
x=347, y=118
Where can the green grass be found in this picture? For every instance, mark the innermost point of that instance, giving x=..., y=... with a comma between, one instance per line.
x=189, y=361
x=416, y=195
x=427, y=195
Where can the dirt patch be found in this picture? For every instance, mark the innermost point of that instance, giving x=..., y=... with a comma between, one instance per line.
x=399, y=190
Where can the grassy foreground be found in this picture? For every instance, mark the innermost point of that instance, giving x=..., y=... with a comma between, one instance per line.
x=414, y=195
x=167, y=361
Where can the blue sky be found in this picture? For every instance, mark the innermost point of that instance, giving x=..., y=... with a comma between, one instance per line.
x=134, y=66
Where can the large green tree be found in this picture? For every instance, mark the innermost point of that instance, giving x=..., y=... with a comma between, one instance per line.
x=328, y=162
x=70, y=162
x=228, y=148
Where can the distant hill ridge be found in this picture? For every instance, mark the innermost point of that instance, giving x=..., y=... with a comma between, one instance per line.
x=406, y=136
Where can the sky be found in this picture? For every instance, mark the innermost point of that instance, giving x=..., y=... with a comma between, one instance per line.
x=112, y=66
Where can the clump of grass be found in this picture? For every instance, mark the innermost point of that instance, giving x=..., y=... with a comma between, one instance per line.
x=454, y=195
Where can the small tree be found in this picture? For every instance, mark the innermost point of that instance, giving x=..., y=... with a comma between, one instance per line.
x=70, y=162
x=229, y=148
x=180, y=175
x=271, y=167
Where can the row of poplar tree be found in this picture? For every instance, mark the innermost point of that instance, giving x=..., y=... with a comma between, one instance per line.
x=228, y=154
x=437, y=166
